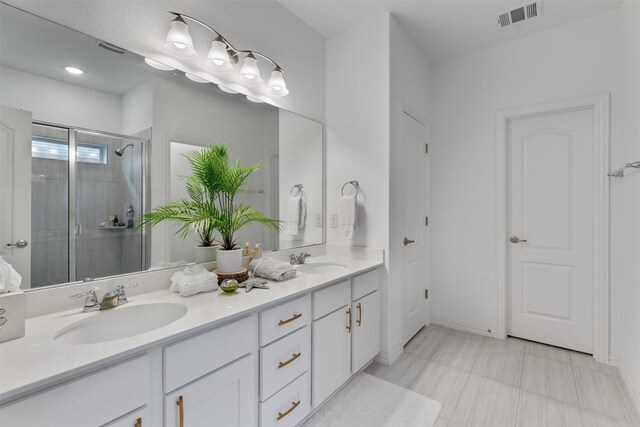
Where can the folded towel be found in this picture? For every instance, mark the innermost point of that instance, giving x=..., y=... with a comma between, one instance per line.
x=349, y=216
x=296, y=212
x=192, y=276
x=10, y=279
x=189, y=289
x=272, y=269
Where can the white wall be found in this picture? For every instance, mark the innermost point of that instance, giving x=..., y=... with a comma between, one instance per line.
x=137, y=109
x=58, y=102
x=625, y=209
x=265, y=26
x=300, y=154
x=358, y=136
x=410, y=92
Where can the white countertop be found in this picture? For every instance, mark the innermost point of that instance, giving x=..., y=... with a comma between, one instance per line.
x=36, y=360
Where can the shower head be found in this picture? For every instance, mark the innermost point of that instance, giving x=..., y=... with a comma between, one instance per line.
x=120, y=151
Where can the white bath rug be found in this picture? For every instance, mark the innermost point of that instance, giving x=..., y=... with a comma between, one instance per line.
x=368, y=401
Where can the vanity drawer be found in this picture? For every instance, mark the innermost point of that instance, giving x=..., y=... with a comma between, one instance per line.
x=365, y=284
x=290, y=405
x=194, y=357
x=330, y=299
x=94, y=399
x=284, y=318
x=283, y=361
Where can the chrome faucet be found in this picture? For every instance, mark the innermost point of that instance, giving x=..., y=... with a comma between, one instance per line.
x=298, y=259
x=110, y=300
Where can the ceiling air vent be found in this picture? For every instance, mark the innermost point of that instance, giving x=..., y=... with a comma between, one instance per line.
x=519, y=14
x=110, y=47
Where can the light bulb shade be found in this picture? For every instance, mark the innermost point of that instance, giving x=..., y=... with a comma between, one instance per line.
x=195, y=78
x=158, y=65
x=227, y=89
x=276, y=85
x=218, y=55
x=178, y=40
x=250, y=72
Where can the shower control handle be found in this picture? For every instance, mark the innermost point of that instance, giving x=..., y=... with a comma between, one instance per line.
x=20, y=244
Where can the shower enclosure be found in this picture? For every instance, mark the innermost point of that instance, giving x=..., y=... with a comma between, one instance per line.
x=87, y=194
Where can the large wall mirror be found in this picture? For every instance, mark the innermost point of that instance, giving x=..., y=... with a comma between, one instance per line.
x=83, y=155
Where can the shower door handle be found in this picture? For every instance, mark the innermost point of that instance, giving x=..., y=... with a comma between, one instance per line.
x=78, y=229
x=20, y=244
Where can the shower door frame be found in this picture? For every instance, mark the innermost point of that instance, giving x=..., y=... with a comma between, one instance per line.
x=73, y=226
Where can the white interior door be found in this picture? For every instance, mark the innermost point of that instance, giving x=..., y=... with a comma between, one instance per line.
x=15, y=190
x=415, y=135
x=550, y=211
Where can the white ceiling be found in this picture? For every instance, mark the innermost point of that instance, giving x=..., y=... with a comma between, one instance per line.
x=445, y=28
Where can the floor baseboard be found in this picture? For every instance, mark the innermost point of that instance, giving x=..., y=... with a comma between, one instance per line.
x=466, y=327
x=618, y=363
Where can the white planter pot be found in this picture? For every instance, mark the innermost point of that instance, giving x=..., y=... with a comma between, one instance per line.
x=205, y=254
x=229, y=261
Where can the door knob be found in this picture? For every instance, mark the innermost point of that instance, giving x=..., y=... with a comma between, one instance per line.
x=516, y=239
x=408, y=241
x=19, y=244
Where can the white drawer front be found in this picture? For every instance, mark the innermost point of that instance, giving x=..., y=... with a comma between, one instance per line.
x=138, y=418
x=284, y=360
x=330, y=299
x=289, y=406
x=365, y=284
x=284, y=318
x=194, y=357
x=94, y=399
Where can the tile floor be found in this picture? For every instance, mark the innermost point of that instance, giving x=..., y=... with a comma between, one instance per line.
x=482, y=381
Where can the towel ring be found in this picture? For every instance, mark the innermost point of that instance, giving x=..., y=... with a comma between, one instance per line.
x=355, y=184
x=299, y=187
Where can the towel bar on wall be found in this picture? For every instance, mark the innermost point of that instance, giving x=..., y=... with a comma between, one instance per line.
x=619, y=173
x=356, y=184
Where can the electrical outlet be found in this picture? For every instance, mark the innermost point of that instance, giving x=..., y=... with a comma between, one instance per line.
x=333, y=220
x=318, y=220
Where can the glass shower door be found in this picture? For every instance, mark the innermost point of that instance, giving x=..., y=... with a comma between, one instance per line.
x=109, y=194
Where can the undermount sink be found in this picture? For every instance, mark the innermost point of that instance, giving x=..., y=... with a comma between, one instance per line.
x=321, y=268
x=121, y=322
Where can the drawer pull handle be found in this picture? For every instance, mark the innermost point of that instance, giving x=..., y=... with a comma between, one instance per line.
x=180, y=404
x=359, y=320
x=294, y=405
x=349, y=319
x=138, y=422
x=293, y=357
x=291, y=319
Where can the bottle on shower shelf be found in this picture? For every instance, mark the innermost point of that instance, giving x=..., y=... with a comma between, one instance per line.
x=130, y=215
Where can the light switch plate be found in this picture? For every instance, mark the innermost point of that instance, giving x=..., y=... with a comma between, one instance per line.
x=333, y=220
x=318, y=220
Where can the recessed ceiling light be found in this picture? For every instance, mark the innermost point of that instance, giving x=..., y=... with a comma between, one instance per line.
x=196, y=79
x=227, y=89
x=158, y=65
x=73, y=70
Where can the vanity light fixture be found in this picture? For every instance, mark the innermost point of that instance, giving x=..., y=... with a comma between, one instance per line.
x=158, y=65
x=254, y=99
x=73, y=70
x=222, y=57
x=227, y=89
x=195, y=78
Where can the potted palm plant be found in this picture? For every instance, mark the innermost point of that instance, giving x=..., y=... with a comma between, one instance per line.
x=213, y=205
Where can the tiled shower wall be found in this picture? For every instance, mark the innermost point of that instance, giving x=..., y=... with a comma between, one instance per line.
x=101, y=189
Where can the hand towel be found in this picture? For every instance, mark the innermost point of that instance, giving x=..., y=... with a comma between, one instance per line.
x=272, y=269
x=192, y=276
x=10, y=279
x=349, y=216
x=208, y=285
x=294, y=214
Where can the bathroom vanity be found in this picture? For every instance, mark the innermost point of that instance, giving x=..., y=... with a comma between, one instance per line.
x=268, y=358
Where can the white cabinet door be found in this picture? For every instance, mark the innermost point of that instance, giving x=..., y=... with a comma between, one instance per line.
x=331, y=353
x=366, y=330
x=227, y=397
x=138, y=418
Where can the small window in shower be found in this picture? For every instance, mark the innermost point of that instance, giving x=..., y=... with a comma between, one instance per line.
x=55, y=149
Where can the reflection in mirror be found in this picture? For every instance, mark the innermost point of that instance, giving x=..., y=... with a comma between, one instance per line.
x=95, y=146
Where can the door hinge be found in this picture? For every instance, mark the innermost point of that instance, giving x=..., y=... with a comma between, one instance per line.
x=426, y=221
x=426, y=148
x=426, y=294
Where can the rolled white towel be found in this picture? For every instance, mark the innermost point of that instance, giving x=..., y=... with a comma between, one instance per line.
x=10, y=279
x=192, y=288
x=272, y=269
x=192, y=275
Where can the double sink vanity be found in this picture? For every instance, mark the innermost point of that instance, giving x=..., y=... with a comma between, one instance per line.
x=268, y=357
